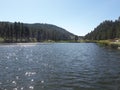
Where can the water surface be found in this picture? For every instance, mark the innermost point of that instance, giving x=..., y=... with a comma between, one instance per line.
x=59, y=66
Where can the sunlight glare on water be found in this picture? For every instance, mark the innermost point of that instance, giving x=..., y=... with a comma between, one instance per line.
x=59, y=66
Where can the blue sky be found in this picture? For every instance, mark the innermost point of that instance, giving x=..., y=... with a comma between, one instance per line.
x=76, y=16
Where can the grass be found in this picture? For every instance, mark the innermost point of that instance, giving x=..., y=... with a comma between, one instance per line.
x=1, y=40
x=109, y=43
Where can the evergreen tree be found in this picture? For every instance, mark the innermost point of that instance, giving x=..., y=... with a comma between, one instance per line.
x=106, y=30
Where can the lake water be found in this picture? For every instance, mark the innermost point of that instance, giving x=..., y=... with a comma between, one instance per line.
x=59, y=66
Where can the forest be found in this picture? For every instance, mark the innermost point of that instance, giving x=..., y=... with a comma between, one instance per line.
x=23, y=32
x=106, y=30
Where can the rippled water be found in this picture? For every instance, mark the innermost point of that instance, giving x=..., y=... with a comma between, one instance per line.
x=70, y=66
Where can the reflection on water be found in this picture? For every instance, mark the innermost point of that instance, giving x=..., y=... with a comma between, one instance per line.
x=71, y=66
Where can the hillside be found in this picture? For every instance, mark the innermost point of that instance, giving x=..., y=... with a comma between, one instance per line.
x=23, y=32
x=106, y=30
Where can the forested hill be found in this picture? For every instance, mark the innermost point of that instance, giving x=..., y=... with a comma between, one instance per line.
x=106, y=30
x=22, y=32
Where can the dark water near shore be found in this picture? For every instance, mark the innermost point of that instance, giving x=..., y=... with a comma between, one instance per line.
x=70, y=66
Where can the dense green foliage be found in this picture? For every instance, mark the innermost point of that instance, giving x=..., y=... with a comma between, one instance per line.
x=106, y=30
x=21, y=32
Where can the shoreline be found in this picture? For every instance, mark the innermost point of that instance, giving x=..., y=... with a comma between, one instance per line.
x=108, y=43
x=105, y=43
x=33, y=43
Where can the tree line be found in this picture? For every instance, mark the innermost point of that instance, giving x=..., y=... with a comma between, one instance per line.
x=106, y=30
x=21, y=32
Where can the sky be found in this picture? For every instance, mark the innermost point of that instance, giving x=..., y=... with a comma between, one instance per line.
x=76, y=16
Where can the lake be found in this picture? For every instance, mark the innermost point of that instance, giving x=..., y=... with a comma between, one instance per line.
x=59, y=66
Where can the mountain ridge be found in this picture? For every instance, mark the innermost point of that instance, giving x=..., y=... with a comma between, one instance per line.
x=34, y=32
x=108, y=29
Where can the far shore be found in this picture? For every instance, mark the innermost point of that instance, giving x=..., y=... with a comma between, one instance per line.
x=115, y=44
x=33, y=43
x=30, y=43
x=112, y=43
